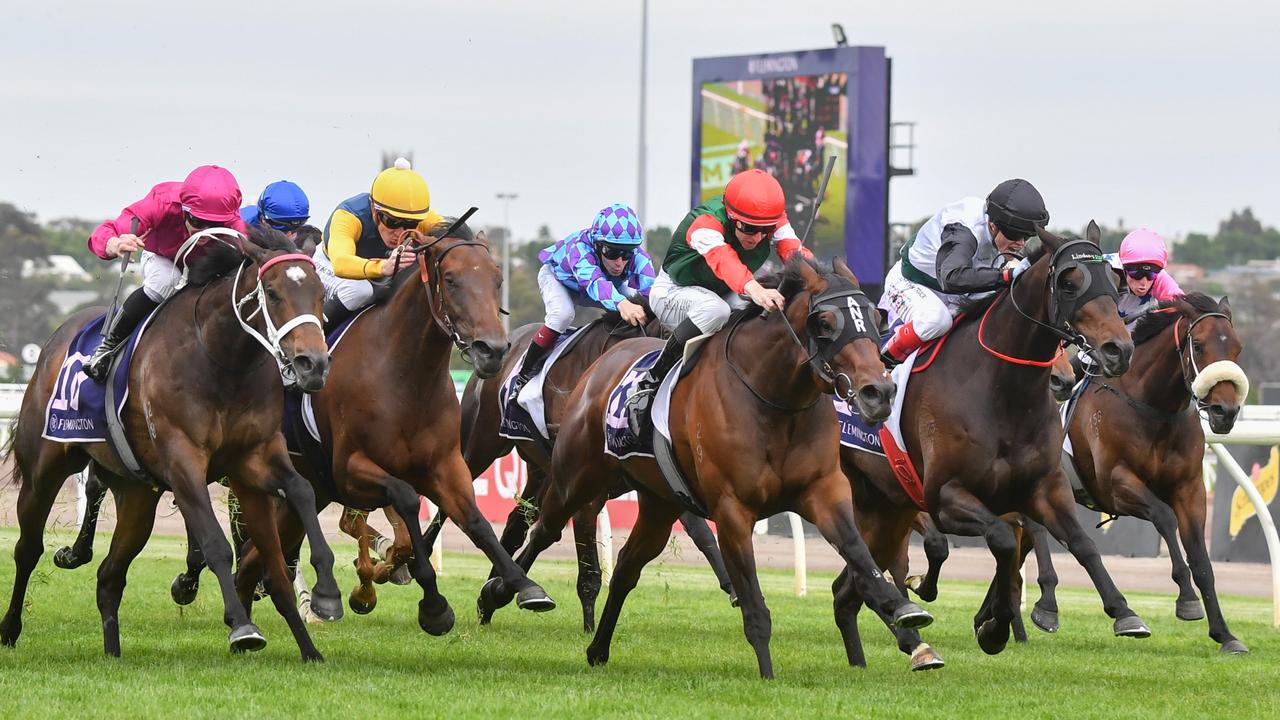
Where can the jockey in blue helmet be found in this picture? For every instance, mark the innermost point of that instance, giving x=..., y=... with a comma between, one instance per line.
x=282, y=205
x=603, y=266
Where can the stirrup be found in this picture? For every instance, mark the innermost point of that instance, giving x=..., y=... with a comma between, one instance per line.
x=638, y=407
x=99, y=363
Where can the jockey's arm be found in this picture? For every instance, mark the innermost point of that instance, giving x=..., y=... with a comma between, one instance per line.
x=706, y=235
x=340, y=246
x=114, y=228
x=956, y=274
x=593, y=282
x=1165, y=287
x=787, y=242
x=644, y=272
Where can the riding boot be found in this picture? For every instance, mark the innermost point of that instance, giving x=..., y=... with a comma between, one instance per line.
x=335, y=313
x=904, y=342
x=534, y=358
x=133, y=310
x=641, y=400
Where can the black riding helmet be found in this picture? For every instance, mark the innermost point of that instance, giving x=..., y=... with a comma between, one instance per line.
x=1015, y=206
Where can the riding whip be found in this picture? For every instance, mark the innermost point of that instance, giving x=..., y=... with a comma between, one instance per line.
x=115, y=301
x=817, y=202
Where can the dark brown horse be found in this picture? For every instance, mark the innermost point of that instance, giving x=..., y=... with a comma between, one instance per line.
x=204, y=402
x=1138, y=444
x=982, y=429
x=754, y=436
x=388, y=417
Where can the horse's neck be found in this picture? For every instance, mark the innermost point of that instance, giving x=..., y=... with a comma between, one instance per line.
x=1008, y=332
x=1155, y=377
x=414, y=346
x=772, y=361
x=216, y=313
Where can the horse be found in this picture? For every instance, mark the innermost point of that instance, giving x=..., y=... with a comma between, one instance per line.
x=753, y=437
x=1138, y=444
x=982, y=428
x=204, y=401
x=388, y=416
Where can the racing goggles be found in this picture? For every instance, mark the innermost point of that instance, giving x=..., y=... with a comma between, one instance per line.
x=615, y=252
x=397, y=223
x=1142, y=272
x=287, y=224
x=745, y=229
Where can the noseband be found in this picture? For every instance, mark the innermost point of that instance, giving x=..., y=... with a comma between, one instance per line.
x=429, y=272
x=1064, y=304
x=1191, y=370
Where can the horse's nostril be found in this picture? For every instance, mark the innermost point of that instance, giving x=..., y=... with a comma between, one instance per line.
x=304, y=363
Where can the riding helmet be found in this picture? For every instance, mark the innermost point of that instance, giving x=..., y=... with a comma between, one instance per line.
x=1016, y=207
x=401, y=192
x=283, y=200
x=617, y=225
x=211, y=193
x=754, y=197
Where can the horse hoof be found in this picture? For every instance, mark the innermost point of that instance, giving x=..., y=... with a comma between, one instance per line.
x=67, y=559
x=358, y=605
x=1189, y=610
x=247, y=638
x=733, y=600
x=183, y=590
x=536, y=599
x=1132, y=626
x=926, y=658
x=402, y=575
x=1046, y=620
x=436, y=623
x=9, y=632
x=911, y=616
x=493, y=595
x=1234, y=647
x=992, y=636
x=326, y=609
x=313, y=658
x=597, y=656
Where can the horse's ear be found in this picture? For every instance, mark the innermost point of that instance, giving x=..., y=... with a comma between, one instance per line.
x=1051, y=241
x=482, y=237
x=810, y=275
x=256, y=252
x=1093, y=233
x=838, y=265
x=1224, y=307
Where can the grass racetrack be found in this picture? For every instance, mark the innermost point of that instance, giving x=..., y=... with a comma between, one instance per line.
x=679, y=651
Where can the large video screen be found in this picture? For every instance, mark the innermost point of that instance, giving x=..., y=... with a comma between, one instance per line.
x=787, y=113
x=786, y=126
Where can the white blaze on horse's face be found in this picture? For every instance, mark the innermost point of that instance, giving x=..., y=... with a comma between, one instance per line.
x=296, y=274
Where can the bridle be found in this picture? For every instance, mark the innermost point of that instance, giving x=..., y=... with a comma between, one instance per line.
x=429, y=260
x=1191, y=370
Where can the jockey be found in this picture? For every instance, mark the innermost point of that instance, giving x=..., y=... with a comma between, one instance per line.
x=361, y=234
x=1142, y=259
x=602, y=266
x=710, y=263
x=958, y=254
x=282, y=205
x=166, y=217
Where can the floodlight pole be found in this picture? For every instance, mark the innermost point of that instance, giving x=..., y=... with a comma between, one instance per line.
x=506, y=199
x=644, y=86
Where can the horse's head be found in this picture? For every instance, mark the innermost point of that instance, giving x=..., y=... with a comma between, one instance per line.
x=1062, y=378
x=1208, y=348
x=1080, y=297
x=463, y=289
x=291, y=297
x=838, y=322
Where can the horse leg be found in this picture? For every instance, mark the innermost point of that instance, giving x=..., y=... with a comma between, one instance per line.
x=135, y=517
x=451, y=482
x=364, y=597
x=646, y=542
x=81, y=551
x=1189, y=506
x=186, y=585
x=1053, y=506
x=1016, y=580
x=735, y=524
x=35, y=499
x=1045, y=613
x=1133, y=497
x=584, y=538
x=936, y=551
x=700, y=533
x=255, y=507
x=961, y=513
x=846, y=604
x=523, y=515
x=326, y=599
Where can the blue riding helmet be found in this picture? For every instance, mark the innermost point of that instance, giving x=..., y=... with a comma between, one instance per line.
x=284, y=203
x=617, y=225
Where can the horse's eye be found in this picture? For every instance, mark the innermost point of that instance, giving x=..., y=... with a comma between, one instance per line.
x=272, y=296
x=451, y=281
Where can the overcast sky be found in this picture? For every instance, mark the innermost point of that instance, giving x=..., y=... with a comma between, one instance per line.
x=1164, y=113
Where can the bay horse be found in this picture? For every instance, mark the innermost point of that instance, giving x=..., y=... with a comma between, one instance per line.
x=982, y=430
x=753, y=435
x=204, y=402
x=1138, y=444
x=388, y=416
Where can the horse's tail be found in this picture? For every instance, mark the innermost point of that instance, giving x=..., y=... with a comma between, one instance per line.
x=6, y=454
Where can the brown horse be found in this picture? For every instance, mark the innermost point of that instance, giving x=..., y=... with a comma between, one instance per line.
x=754, y=437
x=982, y=428
x=204, y=402
x=1138, y=444
x=388, y=417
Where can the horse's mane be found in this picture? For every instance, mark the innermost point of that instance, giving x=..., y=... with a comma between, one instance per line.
x=218, y=258
x=1154, y=322
x=463, y=232
x=789, y=281
x=974, y=307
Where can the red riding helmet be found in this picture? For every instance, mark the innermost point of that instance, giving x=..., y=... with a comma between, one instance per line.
x=755, y=198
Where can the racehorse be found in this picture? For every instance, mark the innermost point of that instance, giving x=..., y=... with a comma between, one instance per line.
x=1138, y=444
x=753, y=435
x=388, y=417
x=204, y=401
x=982, y=428
x=481, y=445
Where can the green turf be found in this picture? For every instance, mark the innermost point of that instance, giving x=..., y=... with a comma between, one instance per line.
x=679, y=651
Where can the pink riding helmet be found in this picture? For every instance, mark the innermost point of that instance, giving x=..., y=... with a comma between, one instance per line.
x=1144, y=247
x=211, y=193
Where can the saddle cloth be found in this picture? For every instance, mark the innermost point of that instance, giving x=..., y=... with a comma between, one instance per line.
x=77, y=409
x=297, y=405
x=527, y=414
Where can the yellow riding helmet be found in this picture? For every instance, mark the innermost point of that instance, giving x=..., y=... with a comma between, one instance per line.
x=401, y=192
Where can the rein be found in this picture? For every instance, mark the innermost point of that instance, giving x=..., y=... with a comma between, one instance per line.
x=431, y=279
x=982, y=325
x=1187, y=358
x=274, y=334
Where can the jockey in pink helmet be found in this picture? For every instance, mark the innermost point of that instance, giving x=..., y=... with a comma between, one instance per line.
x=1142, y=259
x=165, y=218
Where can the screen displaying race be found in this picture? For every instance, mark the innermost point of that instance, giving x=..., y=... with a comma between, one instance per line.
x=787, y=127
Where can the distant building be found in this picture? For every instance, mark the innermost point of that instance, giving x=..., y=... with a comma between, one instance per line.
x=63, y=267
x=1186, y=273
